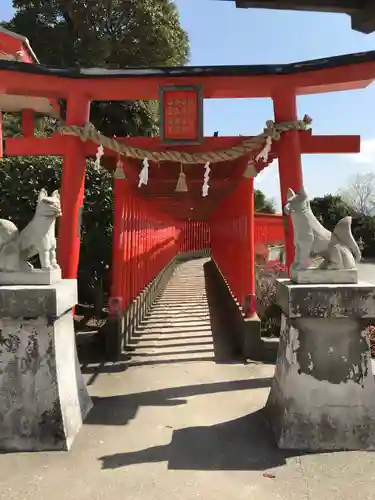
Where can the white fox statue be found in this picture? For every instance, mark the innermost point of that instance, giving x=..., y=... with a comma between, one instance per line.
x=338, y=249
x=38, y=237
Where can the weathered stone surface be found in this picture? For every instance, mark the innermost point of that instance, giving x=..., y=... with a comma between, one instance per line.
x=325, y=301
x=34, y=277
x=252, y=345
x=43, y=398
x=313, y=275
x=323, y=391
x=21, y=301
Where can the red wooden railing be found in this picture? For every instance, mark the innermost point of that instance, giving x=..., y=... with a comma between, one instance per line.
x=195, y=235
x=232, y=229
x=146, y=240
x=269, y=229
x=144, y=243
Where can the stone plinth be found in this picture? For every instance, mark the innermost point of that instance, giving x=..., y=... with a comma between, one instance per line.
x=43, y=398
x=322, y=276
x=323, y=391
x=34, y=277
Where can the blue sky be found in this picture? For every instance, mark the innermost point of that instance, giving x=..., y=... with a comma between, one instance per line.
x=221, y=34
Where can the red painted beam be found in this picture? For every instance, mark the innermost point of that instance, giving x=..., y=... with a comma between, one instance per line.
x=310, y=144
x=35, y=146
x=328, y=144
x=133, y=88
x=47, y=146
x=130, y=88
x=28, y=124
x=22, y=146
x=55, y=146
x=208, y=144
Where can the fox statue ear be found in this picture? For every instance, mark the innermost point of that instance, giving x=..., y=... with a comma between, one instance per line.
x=56, y=194
x=290, y=194
x=42, y=194
x=302, y=192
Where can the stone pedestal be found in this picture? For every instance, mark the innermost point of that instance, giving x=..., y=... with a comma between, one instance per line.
x=323, y=391
x=35, y=277
x=316, y=276
x=43, y=398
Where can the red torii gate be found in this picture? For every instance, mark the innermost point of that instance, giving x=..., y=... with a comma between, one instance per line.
x=282, y=83
x=229, y=205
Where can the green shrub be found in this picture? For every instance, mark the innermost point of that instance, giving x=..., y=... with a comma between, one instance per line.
x=22, y=178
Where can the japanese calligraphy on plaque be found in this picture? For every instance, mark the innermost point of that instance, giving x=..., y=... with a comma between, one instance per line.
x=181, y=115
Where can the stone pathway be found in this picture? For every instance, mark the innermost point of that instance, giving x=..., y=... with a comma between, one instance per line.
x=182, y=420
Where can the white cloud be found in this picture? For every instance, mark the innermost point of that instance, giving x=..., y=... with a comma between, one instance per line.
x=367, y=154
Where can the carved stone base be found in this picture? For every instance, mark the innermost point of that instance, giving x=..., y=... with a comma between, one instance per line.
x=43, y=398
x=320, y=276
x=34, y=277
x=323, y=392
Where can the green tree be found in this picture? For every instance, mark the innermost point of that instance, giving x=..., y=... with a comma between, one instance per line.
x=106, y=34
x=359, y=193
x=87, y=33
x=262, y=204
x=329, y=209
x=22, y=178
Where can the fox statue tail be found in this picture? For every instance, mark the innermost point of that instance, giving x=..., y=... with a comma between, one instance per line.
x=343, y=232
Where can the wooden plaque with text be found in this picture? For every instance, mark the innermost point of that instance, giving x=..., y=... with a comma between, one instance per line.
x=181, y=115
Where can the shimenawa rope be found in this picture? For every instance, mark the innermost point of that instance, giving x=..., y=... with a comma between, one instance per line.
x=272, y=130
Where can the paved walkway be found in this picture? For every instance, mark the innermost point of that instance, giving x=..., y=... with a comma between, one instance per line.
x=182, y=420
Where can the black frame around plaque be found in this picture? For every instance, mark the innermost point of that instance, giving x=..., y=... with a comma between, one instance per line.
x=181, y=142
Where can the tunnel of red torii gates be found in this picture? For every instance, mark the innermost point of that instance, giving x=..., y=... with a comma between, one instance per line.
x=154, y=222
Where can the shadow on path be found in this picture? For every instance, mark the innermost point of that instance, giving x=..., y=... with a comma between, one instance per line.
x=238, y=445
x=119, y=410
x=241, y=444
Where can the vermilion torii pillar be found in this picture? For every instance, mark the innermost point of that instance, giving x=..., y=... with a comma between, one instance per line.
x=289, y=156
x=72, y=187
x=28, y=126
x=249, y=261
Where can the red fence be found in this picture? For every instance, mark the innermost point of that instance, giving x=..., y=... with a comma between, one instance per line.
x=232, y=229
x=195, y=235
x=144, y=242
x=269, y=229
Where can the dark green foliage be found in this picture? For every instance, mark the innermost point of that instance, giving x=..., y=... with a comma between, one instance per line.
x=106, y=34
x=114, y=33
x=84, y=33
x=330, y=209
x=364, y=231
x=21, y=179
x=11, y=125
x=96, y=238
x=262, y=204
